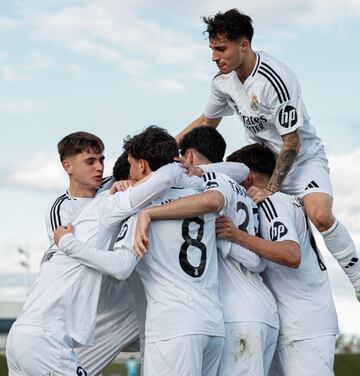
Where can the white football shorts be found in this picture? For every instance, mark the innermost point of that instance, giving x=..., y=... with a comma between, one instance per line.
x=248, y=350
x=311, y=176
x=191, y=355
x=310, y=357
x=32, y=350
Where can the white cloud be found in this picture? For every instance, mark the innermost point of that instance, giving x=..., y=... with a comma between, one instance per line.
x=41, y=172
x=19, y=105
x=11, y=74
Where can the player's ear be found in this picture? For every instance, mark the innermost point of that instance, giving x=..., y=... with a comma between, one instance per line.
x=189, y=156
x=67, y=166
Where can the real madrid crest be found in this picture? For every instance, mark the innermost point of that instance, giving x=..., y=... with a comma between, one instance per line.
x=254, y=103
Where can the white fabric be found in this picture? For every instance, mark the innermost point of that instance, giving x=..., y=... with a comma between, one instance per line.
x=176, y=282
x=116, y=327
x=248, y=349
x=192, y=355
x=42, y=351
x=310, y=357
x=268, y=103
x=338, y=241
x=236, y=171
x=303, y=295
x=65, y=290
x=243, y=294
x=311, y=176
x=116, y=322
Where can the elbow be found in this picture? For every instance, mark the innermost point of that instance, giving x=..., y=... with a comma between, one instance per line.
x=214, y=201
x=295, y=259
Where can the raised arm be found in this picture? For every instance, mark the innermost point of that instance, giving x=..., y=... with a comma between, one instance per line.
x=202, y=120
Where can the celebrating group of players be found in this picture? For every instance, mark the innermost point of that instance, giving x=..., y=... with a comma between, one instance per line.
x=208, y=267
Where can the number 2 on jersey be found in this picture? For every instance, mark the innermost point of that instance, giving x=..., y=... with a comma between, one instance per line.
x=193, y=271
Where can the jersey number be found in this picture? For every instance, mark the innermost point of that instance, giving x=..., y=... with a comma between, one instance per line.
x=193, y=271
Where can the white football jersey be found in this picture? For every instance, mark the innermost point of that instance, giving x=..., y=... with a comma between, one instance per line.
x=303, y=295
x=180, y=275
x=268, y=103
x=243, y=294
x=65, y=293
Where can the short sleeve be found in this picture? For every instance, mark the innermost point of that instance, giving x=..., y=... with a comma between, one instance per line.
x=217, y=105
x=277, y=222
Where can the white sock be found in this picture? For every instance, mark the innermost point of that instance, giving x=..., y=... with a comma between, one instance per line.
x=340, y=244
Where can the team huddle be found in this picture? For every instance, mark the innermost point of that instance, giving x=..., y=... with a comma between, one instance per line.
x=205, y=266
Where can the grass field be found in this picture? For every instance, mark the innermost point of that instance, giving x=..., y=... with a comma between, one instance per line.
x=345, y=365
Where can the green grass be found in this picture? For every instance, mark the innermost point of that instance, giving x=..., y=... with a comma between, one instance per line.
x=345, y=365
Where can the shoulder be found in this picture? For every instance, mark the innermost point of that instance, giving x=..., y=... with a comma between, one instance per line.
x=277, y=77
x=57, y=208
x=106, y=183
x=220, y=79
x=276, y=206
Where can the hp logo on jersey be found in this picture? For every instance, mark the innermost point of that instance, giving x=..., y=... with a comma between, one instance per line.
x=288, y=116
x=277, y=231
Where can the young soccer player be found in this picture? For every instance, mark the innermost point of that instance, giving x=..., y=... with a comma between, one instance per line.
x=308, y=321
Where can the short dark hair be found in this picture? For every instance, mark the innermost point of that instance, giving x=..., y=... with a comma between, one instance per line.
x=206, y=141
x=155, y=145
x=232, y=24
x=257, y=157
x=121, y=169
x=78, y=142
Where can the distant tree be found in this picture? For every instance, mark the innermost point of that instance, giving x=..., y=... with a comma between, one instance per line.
x=348, y=344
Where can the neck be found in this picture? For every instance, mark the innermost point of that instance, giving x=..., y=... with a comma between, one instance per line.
x=77, y=190
x=244, y=70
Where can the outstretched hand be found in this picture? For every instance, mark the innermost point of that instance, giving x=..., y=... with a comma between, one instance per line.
x=61, y=231
x=141, y=241
x=259, y=194
x=190, y=168
x=121, y=186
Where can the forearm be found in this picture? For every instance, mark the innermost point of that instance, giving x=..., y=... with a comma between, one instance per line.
x=249, y=259
x=202, y=120
x=284, y=252
x=287, y=156
x=118, y=264
x=190, y=206
x=159, y=181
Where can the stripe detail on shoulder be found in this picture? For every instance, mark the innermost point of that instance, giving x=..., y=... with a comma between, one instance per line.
x=55, y=218
x=268, y=208
x=257, y=65
x=276, y=81
x=209, y=176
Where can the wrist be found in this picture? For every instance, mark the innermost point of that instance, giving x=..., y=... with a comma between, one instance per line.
x=271, y=189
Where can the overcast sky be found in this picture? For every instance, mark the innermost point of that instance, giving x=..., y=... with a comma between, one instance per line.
x=114, y=67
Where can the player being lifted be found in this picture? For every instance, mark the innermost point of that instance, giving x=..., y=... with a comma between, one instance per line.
x=184, y=320
x=52, y=322
x=266, y=96
x=308, y=320
x=250, y=313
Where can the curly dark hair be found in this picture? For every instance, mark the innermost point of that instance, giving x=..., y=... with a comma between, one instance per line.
x=206, y=141
x=155, y=145
x=232, y=24
x=121, y=169
x=257, y=157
